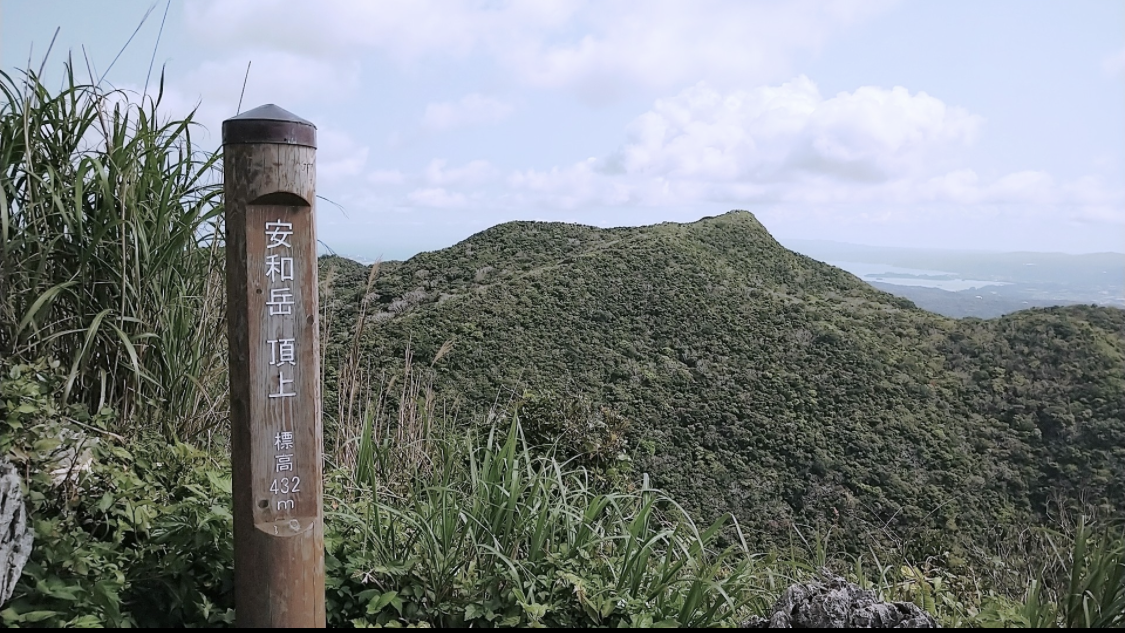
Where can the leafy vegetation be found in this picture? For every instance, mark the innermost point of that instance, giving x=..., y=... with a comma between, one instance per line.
x=107, y=256
x=513, y=538
x=141, y=537
x=127, y=533
x=137, y=533
x=593, y=399
x=759, y=382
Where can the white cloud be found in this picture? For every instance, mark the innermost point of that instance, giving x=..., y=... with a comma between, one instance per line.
x=569, y=188
x=599, y=49
x=339, y=156
x=778, y=133
x=404, y=29
x=888, y=150
x=472, y=109
x=277, y=77
x=718, y=144
x=386, y=177
x=789, y=145
x=1030, y=187
x=473, y=173
x=1093, y=190
x=436, y=197
x=1024, y=189
x=669, y=43
x=1101, y=214
x=873, y=133
x=961, y=186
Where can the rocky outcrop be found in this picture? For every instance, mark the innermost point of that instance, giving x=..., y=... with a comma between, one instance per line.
x=836, y=603
x=15, y=535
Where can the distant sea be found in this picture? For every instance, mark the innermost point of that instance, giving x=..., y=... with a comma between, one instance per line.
x=940, y=279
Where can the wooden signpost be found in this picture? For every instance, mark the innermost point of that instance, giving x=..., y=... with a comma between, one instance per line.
x=269, y=164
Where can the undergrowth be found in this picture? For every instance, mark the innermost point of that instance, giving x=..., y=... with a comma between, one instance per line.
x=490, y=532
x=496, y=534
x=108, y=266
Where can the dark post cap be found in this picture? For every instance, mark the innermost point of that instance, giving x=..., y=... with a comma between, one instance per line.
x=268, y=124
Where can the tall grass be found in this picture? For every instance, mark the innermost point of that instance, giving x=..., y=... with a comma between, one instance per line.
x=1095, y=595
x=352, y=381
x=1091, y=590
x=1080, y=585
x=109, y=260
x=387, y=441
x=498, y=534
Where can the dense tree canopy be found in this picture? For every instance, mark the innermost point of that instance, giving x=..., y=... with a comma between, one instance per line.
x=760, y=382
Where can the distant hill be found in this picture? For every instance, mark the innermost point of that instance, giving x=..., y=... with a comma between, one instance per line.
x=1002, y=282
x=983, y=303
x=764, y=383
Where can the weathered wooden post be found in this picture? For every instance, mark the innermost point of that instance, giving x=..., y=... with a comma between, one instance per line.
x=269, y=165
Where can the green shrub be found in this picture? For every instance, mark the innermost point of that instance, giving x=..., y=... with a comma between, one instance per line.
x=498, y=536
x=125, y=535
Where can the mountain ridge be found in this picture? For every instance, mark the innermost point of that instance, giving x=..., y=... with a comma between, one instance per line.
x=764, y=383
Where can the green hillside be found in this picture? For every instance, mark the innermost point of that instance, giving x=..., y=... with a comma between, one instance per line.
x=761, y=382
x=704, y=359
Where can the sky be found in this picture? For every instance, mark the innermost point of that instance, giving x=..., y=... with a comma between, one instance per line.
x=957, y=124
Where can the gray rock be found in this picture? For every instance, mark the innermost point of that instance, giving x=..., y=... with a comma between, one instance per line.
x=836, y=603
x=15, y=537
x=72, y=458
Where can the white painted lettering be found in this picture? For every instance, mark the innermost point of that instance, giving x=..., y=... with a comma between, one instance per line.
x=278, y=267
x=281, y=301
x=279, y=233
x=281, y=383
x=283, y=441
x=285, y=485
x=283, y=351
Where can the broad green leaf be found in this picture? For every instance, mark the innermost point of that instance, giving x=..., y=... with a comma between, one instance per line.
x=38, y=616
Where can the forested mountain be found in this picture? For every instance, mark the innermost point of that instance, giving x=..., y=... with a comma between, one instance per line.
x=745, y=378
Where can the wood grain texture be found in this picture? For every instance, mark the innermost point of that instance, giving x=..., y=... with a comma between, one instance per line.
x=279, y=546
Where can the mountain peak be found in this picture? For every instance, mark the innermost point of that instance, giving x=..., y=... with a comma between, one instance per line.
x=734, y=215
x=765, y=384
